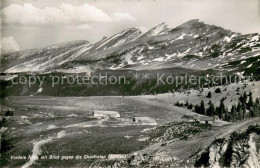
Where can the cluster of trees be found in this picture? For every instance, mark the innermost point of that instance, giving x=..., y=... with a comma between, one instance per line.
x=245, y=108
x=220, y=111
x=187, y=104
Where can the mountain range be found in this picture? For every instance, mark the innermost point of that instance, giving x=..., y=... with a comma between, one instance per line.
x=192, y=45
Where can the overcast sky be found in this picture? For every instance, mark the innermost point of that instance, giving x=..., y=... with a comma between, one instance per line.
x=37, y=23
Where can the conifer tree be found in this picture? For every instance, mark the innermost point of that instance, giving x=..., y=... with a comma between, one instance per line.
x=244, y=111
x=250, y=93
x=202, y=108
x=233, y=113
x=209, y=95
x=250, y=102
x=187, y=104
x=257, y=101
x=244, y=98
x=197, y=109
x=221, y=108
x=239, y=111
x=190, y=106
x=227, y=115
x=211, y=109
x=256, y=110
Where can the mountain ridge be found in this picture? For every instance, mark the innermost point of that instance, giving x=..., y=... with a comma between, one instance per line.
x=161, y=46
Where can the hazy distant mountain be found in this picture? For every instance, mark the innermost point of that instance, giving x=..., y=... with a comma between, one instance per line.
x=193, y=45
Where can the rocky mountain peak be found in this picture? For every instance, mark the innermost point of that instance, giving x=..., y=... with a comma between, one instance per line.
x=202, y=30
x=160, y=29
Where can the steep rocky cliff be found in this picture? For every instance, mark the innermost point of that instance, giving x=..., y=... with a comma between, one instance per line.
x=239, y=150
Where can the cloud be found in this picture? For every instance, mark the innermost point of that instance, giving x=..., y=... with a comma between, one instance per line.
x=8, y=44
x=65, y=14
x=123, y=17
x=79, y=27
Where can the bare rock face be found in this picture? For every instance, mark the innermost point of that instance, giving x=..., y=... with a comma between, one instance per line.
x=254, y=152
x=215, y=153
x=240, y=150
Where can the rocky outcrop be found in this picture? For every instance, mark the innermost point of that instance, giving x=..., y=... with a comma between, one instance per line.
x=240, y=150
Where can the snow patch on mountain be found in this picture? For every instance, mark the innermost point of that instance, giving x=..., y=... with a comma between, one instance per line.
x=150, y=47
x=249, y=66
x=170, y=56
x=160, y=59
x=255, y=38
x=179, y=38
x=228, y=39
x=140, y=57
x=242, y=62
